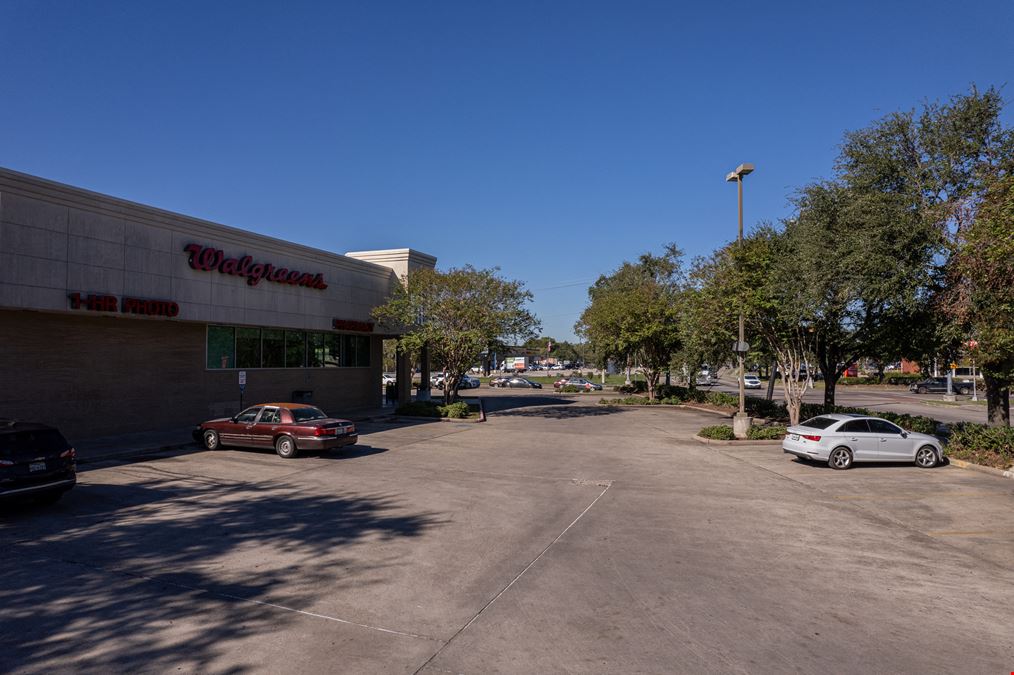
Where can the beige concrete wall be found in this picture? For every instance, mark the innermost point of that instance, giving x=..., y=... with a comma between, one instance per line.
x=56, y=240
x=98, y=375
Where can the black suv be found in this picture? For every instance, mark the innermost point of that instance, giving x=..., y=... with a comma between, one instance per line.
x=938, y=385
x=36, y=461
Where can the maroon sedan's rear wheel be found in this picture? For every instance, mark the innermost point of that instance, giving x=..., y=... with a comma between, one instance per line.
x=285, y=447
x=210, y=439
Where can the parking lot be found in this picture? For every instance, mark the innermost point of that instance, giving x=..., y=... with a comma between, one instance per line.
x=560, y=536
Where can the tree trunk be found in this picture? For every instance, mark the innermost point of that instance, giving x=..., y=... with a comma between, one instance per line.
x=830, y=382
x=771, y=379
x=997, y=401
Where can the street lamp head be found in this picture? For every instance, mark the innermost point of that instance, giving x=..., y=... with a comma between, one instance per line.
x=741, y=170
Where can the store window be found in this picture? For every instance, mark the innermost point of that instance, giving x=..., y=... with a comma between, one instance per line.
x=295, y=349
x=241, y=347
x=221, y=347
x=272, y=348
x=248, y=347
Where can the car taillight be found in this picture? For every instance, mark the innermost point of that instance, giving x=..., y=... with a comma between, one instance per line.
x=810, y=438
x=6, y=462
x=325, y=431
x=71, y=454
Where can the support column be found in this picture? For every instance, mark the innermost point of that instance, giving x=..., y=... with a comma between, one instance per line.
x=424, y=373
x=403, y=371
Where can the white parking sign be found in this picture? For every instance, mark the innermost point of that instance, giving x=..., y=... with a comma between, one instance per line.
x=242, y=378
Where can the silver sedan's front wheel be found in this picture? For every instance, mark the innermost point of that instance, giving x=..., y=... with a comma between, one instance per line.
x=840, y=458
x=926, y=457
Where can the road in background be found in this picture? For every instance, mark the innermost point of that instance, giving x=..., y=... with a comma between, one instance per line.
x=894, y=399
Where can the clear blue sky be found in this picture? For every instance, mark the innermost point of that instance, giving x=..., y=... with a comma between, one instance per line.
x=551, y=139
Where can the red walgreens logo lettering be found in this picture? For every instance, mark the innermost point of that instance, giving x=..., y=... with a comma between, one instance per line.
x=207, y=259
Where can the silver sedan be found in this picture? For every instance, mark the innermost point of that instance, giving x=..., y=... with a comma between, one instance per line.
x=841, y=440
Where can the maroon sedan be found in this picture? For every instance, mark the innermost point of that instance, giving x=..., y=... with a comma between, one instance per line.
x=286, y=427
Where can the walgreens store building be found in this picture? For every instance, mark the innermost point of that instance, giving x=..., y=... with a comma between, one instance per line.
x=117, y=317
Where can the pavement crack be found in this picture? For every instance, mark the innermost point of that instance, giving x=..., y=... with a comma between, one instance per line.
x=513, y=581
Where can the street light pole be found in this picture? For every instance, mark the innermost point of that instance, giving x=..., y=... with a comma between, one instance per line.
x=742, y=422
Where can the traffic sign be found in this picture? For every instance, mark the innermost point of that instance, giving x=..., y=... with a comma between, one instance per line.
x=242, y=378
x=740, y=347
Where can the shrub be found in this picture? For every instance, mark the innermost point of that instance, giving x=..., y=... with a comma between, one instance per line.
x=720, y=432
x=766, y=433
x=457, y=410
x=981, y=444
x=634, y=400
x=720, y=398
x=571, y=389
x=420, y=409
x=761, y=407
x=635, y=387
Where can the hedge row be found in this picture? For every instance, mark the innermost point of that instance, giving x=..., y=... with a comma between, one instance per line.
x=723, y=432
x=981, y=444
x=774, y=410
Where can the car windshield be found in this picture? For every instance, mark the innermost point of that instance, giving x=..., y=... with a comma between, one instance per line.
x=37, y=440
x=819, y=422
x=307, y=414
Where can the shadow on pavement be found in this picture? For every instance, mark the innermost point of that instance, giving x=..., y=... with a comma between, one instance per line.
x=546, y=407
x=99, y=579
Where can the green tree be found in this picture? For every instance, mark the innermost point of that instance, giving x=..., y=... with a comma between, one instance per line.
x=865, y=270
x=759, y=277
x=981, y=294
x=634, y=313
x=457, y=314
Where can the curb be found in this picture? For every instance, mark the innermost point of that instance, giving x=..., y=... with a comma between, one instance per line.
x=745, y=441
x=679, y=406
x=135, y=452
x=962, y=464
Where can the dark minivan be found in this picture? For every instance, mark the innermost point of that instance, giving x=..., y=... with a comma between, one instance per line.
x=36, y=462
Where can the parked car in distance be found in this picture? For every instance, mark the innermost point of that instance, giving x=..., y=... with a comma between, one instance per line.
x=840, y=440
x=36, y=462
x=515, y=382
x=577, y=382
x=388, y=378
x=938, y=385
x=751, y=382
x=289, y=428
x=466, y=382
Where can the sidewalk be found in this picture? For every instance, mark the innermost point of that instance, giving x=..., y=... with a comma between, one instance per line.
x=148, y=442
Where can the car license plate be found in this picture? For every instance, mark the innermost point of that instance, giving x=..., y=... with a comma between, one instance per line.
x=37, y=466
x=795, y=437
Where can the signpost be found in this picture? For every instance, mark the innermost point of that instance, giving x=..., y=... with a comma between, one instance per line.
x=242, y=388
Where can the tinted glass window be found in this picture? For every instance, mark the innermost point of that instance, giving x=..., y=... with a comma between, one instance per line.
x=819, y=422
x=332, y=350
x=307, y=414
x=855, y=427
x=248, y=415
x=883, y=427
x=248, y=347
x=39, y=440
x=221, y=347
x=295, y=349
x=315, y=350
x=273, y=349
x=271, y=416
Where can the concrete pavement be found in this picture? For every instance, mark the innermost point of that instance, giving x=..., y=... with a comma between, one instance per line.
x=560, y=536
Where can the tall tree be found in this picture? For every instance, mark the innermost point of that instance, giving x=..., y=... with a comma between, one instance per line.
x=865, y=271
x=981, y=296
x=634, y=313
x=457, y=314
x=760, y=276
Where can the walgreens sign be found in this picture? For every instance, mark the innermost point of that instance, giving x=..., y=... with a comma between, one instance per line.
x=210, y=259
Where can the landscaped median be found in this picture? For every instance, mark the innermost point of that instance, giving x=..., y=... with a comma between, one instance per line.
x=460, y=411
x=968, y=443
